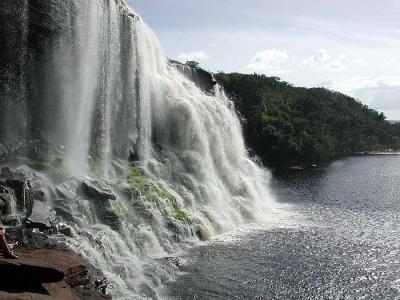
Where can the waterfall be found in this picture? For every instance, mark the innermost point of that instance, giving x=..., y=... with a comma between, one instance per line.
x=91, y=83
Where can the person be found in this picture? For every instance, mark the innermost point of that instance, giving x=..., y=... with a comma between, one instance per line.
x=8, y=249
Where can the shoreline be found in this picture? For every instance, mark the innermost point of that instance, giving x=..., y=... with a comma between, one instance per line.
x=302, y=167
x=378, y=153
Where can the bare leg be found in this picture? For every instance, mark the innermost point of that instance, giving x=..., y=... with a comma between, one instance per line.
x=3, y=244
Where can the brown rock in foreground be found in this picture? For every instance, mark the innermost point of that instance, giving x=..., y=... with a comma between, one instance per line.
x=41, y=274
x=59, y=290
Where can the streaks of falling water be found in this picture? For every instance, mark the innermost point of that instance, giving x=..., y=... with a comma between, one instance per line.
x=101, y=89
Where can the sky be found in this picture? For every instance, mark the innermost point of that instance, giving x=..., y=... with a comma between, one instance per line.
x=350, y=46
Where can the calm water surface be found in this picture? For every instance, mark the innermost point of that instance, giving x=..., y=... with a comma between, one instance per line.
x=338, y=238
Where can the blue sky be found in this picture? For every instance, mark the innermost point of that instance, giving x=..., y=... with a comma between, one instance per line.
x=351, y=46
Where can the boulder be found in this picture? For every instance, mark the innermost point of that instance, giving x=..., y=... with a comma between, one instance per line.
x=66, y=191
x=96, y=189
x=5, y=172
x=64, y=212
x=22, y=191
x=40, y=196
x=6, y=197
x=41, y=273
x=42, y=216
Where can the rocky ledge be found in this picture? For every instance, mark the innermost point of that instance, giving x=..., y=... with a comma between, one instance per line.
x=202, y=78
x=49, y=274
x=41, y=274
x=45, y=268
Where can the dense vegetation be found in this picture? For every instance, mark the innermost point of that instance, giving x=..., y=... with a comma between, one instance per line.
x=293, y=126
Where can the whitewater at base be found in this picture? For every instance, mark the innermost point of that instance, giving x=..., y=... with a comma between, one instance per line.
x=339, y=239
x=92, y=93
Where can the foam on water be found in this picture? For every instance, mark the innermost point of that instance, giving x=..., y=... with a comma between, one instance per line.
x=105, y=93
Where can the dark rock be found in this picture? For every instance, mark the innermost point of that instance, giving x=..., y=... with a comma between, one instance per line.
x=134, y=156
x=203, y=79
x=107, y=215
x=22, y=191
x=60, y=202
x=5, y=172
x=147, y=291
x=95, y=288
x=11, y=220
x=8, y=215
x=6, y=197
x=42, y=216
x=15, y=233
x=201, y=234
x=112, y=220
x=65, y=213
x=40, y=196
x=101, y=285
x=96, y=189
x=65, y=230
x=66, y=208
x=173, y=260
x=66, y=190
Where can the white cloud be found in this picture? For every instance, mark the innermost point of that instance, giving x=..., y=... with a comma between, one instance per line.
x=268, y=60
x=197, y=56
x=321, y=57
x=391, y=63
x=381, y=93
x=324, y=60
x=335, y=66
x=358, y=62
x=362, y=82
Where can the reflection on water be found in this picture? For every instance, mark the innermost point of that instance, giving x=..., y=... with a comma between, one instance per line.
x=339, y=240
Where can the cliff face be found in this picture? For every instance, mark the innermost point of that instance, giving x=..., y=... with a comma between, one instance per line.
x=203, y=79
x=56, y=64
x=29, y=31
x=136, y=155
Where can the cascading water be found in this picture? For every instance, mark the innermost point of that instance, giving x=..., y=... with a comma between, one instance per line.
x=92, y=84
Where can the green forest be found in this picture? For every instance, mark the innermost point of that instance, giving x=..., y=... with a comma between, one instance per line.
x=291, y=126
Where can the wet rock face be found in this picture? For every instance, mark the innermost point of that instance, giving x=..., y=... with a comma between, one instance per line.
x=44, y=46
x=20, y=201
x=44, y=269
x=22, y=191
x=42, y=216
x=16, y=198
x=27, y=31
x=203, y=79
x=6, y=197
x=66, y=190
x=96, y=189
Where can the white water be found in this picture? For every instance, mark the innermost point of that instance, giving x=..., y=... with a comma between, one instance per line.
x=116, y=94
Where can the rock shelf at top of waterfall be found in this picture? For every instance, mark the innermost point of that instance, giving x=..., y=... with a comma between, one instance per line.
x=130, y=153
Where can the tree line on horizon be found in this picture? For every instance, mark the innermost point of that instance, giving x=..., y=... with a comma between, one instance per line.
x=294, y=126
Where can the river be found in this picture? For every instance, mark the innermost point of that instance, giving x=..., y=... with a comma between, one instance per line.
x=336, y=237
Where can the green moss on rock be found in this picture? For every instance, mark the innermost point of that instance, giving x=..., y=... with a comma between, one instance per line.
x=151, y=191
x=53, y=165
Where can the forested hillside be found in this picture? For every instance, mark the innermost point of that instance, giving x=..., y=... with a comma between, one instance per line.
x=293, y=126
